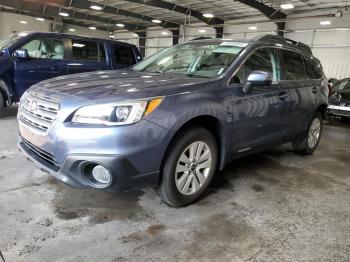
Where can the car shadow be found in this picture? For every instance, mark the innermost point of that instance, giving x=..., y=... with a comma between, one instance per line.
x=9, y=112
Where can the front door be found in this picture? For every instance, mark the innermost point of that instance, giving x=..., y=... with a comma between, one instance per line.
x=258, y=116
x=46, y=60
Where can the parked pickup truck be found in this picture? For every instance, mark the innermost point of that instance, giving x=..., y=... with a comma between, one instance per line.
x=27, y=58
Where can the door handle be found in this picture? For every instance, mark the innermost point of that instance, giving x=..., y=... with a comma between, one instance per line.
x=283, y=95
x=314, y=89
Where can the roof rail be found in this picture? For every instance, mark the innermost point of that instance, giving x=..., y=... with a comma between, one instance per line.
x=281, y=39
x=201, y=38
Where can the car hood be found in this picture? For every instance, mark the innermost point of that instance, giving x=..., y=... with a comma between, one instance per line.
x=109, y=85
x=340, y=99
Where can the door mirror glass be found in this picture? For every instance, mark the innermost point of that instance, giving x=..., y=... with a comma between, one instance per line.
x=257, y=78
x=21, y=53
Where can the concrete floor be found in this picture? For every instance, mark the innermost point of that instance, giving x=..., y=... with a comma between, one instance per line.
x=274, y=206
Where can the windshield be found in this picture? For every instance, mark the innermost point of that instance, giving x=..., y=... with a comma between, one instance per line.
x=208, y=59
x=342, y=86
x=7, y=42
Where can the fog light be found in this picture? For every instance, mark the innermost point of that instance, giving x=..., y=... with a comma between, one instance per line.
x=101, y=174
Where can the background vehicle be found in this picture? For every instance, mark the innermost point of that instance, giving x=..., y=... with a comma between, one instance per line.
x=28, y=58
x=339, y=102
x=331, y=83
x=174, y=119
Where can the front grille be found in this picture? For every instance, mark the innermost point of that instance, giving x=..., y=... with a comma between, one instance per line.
x=42, y=154
x=38, y=112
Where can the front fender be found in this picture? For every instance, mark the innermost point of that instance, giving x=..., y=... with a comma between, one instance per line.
x=176, y=111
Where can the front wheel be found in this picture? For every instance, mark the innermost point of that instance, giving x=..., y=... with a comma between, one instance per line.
x=2, y=102
x=189, y=167
x=307, y=144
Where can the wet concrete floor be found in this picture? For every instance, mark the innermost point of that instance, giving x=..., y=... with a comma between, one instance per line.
x=273, y=206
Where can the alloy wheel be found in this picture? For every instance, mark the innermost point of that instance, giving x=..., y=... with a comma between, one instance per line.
x=193, y=168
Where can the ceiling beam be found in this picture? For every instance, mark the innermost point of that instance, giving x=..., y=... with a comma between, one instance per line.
x=268, y=11
x=53, y=11
x=86, y=4
x=179, y=9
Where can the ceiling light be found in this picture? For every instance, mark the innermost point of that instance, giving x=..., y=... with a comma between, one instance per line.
x=23, y=22
x=120, y=25
x=156, y=21
x=327, y=22
x=96, y=7
x=207, y=15
x=78, y=45
x=252, y=28
x=164, y=33
x=71, y=29
x=112, y=36
x=63, y=14
x=40, y=19
x=136, y=35
x=201, y=31
x=92, y=28
x=287, y=6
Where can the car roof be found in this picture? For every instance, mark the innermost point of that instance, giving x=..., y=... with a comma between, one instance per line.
x=270, y=40
x=75, y=36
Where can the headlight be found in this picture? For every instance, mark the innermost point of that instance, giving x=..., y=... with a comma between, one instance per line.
x=112, y=114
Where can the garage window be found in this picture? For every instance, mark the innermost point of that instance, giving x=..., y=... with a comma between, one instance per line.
x=294, y=65
x=84, y=50
x=45, y=48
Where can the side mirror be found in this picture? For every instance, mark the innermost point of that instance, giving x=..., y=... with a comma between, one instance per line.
x=257, y=78
x=21, y=53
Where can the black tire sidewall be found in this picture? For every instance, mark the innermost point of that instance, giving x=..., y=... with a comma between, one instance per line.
x=180, y=144
x=2, y=101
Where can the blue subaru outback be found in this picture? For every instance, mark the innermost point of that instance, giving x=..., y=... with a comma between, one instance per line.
x=174, y=119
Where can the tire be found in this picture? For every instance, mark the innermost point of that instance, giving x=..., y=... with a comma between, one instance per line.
x=182, y=184
x=2, y=101
x=308, y=143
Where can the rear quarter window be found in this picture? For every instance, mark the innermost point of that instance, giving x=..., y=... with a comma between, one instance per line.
x=313, y=68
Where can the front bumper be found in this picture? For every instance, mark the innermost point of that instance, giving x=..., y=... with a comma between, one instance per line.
x=339, y=110
x=125, y=176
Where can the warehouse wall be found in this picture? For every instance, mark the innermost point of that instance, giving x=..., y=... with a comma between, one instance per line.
x=10, y=23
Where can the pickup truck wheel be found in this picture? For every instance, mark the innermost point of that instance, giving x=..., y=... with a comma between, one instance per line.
x=309, y=142
x=188, y=168
x=2, y=102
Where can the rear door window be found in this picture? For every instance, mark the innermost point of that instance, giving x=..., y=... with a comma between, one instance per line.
x=85, y=50
x=266, y=59
x=294, y=66
x=45, y=48
x=124, y=55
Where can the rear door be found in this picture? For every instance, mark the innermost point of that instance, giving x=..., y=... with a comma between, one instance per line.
x=258, y=116
x=299, y=88
x=46, y=60
x=86, y=56
x=124, y=56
